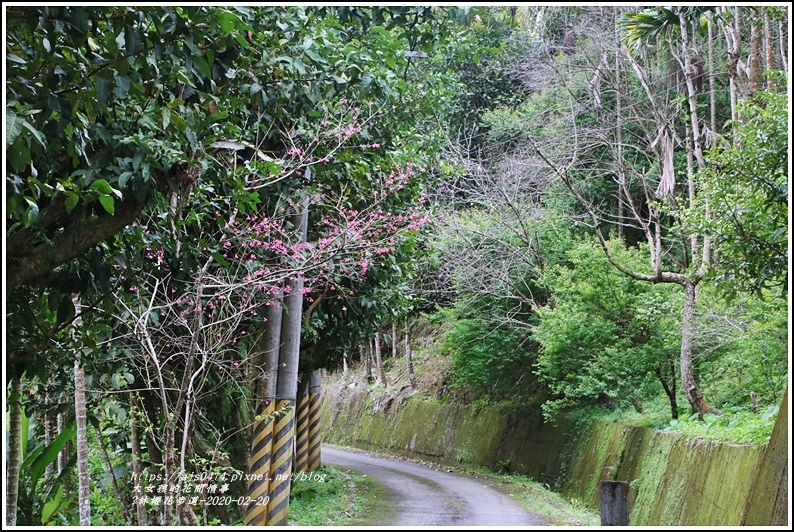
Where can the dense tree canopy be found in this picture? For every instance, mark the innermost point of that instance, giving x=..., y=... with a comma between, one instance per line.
x=596, y=198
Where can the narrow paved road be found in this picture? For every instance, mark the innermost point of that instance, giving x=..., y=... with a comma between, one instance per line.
x=427, y=497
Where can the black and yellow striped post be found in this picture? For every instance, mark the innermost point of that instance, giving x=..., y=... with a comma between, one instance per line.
x=302, y=430
x=281, y=463
x=259, y=467
x=315, y=436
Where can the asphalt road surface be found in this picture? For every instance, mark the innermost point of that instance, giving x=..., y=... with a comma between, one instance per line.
x=423, y=496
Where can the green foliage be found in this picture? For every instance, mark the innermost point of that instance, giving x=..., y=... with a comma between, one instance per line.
x=164, y=123
x=745, y=187
x=604, y=335
x=744, y=346
x=42, y=501
x=327, y=497
x=489, y=357
x=737, y=425
x=478, y=57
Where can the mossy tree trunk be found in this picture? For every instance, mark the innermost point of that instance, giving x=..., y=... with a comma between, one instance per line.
x=366, y=354
x=409, y=359
x=84, y=487
x=14, y=452
x=379, y=360
x=83, y=479
x=691, y=388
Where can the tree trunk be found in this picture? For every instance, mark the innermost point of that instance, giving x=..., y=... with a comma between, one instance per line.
x=169, y=465
x=732, y=30
x=621, y=170
x=49, y=422
x=769, y=48
x=271, y=347
x=62, y=456
x=379, y=360
x=84, y=487
x=137, y=472
x=694, y=394
x=689, y=72
x=669, y=389
x=783, y=45
x=155, y=462
x=287, y=387
x=394, y=339
x=712, y=76
x=14, y=451
x=367, y=355
x=754, y=58
x=187, y=515
x=409, y=359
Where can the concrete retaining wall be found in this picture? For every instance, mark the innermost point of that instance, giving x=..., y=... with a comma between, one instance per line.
x=671, y=481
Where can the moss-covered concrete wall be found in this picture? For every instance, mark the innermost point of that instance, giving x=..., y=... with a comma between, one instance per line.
x=671, y=481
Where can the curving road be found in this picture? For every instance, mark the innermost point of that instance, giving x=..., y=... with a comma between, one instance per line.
x=423, y=496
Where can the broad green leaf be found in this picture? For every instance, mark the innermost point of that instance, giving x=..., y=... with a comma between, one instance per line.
x=35, y=452
x=66, y=310
x=770, y=412
x=133, y=41
x=50, y=453
x=107, y=203
x=101, y=186
x=15, y=58
x=104, y=87
x=218, y=257
x=53, y=300
x=23, y=444
x=38, y=135
x=300, y=66
x=228, y=22
x=32, y=213
x=51, y=506
x=13, y=126
x=317, y=58
x=122, y=86
x=123, y=178
x=201, y=63
x=71, y=201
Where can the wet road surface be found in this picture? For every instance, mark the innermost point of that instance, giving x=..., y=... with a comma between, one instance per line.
x=424, y=496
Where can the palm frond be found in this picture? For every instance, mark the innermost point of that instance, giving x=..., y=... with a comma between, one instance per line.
x=646, y=26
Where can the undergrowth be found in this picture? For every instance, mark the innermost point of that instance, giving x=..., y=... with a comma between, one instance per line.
x=330, y=497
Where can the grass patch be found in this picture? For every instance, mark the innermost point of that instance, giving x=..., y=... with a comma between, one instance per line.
x=737, y=424
x=335, y=497
x=538, y=499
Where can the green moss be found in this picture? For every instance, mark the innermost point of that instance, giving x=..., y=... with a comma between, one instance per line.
x=672, y=480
